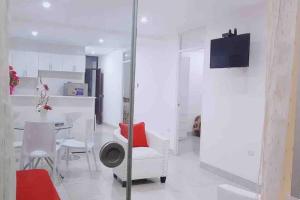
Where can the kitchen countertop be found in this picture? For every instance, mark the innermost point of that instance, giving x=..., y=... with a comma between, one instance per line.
x=71, y=97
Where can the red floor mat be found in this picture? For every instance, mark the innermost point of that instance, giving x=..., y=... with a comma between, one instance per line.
x=35, y=185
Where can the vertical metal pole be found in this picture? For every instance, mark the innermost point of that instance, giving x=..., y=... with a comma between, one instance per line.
x=131, y=106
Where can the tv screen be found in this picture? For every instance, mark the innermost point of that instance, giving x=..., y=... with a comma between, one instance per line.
x=230, y=51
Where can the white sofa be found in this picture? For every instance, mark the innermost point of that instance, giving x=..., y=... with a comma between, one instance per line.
x=147, y=162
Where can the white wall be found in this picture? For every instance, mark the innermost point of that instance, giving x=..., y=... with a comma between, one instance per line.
x=192, y=39
x=156, y=94
x=234, y=99
x=112, y=66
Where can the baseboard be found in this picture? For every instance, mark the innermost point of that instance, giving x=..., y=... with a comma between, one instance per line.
x=254, y=187
x=110, y=125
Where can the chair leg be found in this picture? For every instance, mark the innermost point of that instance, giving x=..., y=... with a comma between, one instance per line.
x=163, y=179
x=67, y=157
x=124, y=184
x=37, y=163
x=49, y=163
x=94, y=156
x=24, y=167
x=54, y=174
x=88, y=159
x=58, y=157
x=115, y=176
x=21, y=162
x=31, y=163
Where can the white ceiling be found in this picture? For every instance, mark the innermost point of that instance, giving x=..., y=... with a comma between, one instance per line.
x=83, y=22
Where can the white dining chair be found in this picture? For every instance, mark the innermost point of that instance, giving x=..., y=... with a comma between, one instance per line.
x=70, y=119
x=18, y=135
x=39, y=142
x=87, y=146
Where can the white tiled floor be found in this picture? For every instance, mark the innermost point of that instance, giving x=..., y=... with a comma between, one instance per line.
x=186, y=180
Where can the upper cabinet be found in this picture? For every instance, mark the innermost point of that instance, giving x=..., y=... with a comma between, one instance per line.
x=44, y=61
x=27, y=64
x=57, y=62
x=72, y=63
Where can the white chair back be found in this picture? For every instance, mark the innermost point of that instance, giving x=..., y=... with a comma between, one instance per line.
x=39, y=136
x=72, y=117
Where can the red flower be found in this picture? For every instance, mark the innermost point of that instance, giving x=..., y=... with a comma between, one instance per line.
x=46, y=87
x=47, y=107
x=14, y=79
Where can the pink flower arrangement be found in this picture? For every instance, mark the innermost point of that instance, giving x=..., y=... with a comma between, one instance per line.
x=43, y=97
x=14, y=80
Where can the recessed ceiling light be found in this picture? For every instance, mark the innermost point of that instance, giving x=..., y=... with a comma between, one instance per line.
x=93, y=52
x=34, y=33
x=46, y=4
x=144, y=20
x=101, y=40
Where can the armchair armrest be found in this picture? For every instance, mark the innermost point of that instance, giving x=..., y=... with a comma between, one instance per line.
x=120, y=139
x=158, y=142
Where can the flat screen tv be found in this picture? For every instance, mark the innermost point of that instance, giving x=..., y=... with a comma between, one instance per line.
x=230, y=51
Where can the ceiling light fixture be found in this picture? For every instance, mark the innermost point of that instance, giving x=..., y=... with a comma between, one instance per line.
x=34, y=33
x=93, y=52
x=46, y=4
x=101, y=40
x=144, y=20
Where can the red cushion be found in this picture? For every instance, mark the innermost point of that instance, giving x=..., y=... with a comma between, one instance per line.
x=139, y=134
x=35, y=185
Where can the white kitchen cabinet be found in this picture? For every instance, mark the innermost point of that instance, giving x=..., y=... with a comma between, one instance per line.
x=69, y=64
x=25, y=63
x=44, y=61
x=57, y=62
x=80, y=61
x=74, y=63
x=51, y=62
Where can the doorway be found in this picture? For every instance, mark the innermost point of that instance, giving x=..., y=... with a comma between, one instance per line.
x=94, y=79
x=190, y=76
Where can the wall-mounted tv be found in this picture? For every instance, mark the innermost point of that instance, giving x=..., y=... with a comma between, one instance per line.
x=232, y=51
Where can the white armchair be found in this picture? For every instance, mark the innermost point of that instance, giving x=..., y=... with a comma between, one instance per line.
x=147, y=162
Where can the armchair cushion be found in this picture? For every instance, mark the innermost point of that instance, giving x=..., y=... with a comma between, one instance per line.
x=139, y=134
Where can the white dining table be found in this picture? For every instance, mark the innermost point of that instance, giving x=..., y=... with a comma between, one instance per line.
x=58, y=126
